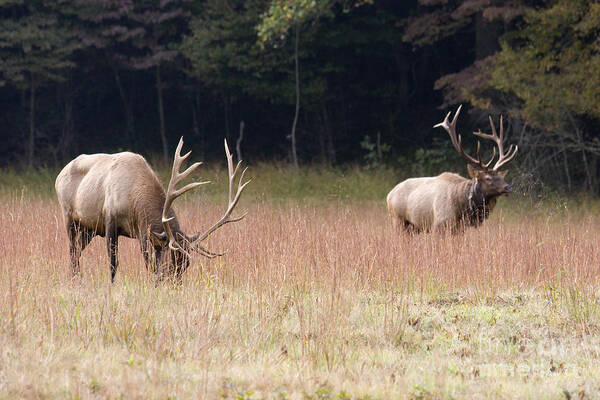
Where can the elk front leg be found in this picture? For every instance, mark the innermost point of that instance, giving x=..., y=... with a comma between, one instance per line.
x=112, y=245
x=79, y=238
x=149, y=253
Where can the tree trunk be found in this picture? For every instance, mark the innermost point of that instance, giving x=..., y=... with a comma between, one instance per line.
x=331, y=156
x=589, y=180
x=594, y=172
x=238, y=142
x=129, y=118
x=197, y=131
x=321, y=138
x=161, y=114
x=297, y=75
x=65, y=143
x=31, y=138
x=566, y=164
x=226, y=110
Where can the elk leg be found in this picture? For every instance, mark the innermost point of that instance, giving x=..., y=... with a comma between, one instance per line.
x=147, y=251
x=79, y=238
x=144, y=248
x=112, y=245
x=75, y=246
x=179, y=274
x=410, y=228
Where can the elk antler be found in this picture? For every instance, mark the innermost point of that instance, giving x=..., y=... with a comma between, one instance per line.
x=450, y=127
x=233, y=200
x=173, y=193
x=502, y=157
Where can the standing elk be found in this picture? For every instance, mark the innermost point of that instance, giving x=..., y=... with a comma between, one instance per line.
x=449, y=201
x=114, y=195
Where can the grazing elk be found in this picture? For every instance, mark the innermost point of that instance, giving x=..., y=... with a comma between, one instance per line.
x=114, y=195
x=449, y=201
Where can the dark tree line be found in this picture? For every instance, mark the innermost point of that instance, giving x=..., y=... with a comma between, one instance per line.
x=330, y=81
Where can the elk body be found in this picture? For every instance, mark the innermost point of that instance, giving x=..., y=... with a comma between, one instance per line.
x=114, y=195
x=449, y=201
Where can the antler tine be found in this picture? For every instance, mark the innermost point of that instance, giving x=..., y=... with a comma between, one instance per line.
x=512, y=149
x=444, y=123
x=455, y=115
x=503, y=157
x=501, y=130
x=457, y=139
x=487, y=164
x=508, y=157
x=233, y=199
x=173, y=193
x=207, y=253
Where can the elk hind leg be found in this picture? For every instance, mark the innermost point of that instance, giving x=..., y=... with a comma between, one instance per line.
x=75, y=248
x=112, y=246
x=402, y=225
x=410, y=228
x=79, y=238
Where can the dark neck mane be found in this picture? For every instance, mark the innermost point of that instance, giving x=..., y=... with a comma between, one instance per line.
x=479, y=204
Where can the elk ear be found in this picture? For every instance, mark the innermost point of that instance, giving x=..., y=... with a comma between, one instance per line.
x=182, y=237
x=192, y=238
x=161, y=237
x=502, y=174
x=473, y=172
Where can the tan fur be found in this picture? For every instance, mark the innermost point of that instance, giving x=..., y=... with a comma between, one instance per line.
x=93, y=187
x=447, y=201
x=430, y=202
x=114, y=195
x=118, y=189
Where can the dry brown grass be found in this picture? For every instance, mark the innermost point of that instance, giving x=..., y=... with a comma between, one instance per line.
x=312, y=300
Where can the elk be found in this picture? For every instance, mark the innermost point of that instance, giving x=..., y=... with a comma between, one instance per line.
x=449, y=201
x=114, y=195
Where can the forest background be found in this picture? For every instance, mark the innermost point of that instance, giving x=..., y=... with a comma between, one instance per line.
x=309, y=82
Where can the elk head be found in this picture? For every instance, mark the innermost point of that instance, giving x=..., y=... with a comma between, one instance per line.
x=176, y=246
x=489, y=181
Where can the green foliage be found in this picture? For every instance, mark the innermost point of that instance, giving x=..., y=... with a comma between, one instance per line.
x=34, y=41
x=543, y=69
x=139, y=34
x=433, y=160
x=223, y=53
x=374, y=156
x=551, y=65
x=282, y=15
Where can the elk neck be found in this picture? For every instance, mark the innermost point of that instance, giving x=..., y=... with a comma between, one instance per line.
x=147, y=209
x=480, y=205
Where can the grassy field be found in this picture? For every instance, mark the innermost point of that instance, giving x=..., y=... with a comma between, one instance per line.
x=317, y=298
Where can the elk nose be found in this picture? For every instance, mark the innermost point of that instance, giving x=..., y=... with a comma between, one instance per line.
x=507, y=189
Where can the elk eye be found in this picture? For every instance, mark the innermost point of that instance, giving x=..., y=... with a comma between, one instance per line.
x=488, y=178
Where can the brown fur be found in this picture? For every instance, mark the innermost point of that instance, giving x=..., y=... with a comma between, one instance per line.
x=445, y=202
x=115, y=195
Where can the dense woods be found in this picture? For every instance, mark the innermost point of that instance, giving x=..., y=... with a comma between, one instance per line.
x=322, y=81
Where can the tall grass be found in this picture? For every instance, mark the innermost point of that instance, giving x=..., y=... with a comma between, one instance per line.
x=271, y=182
x=317, y=297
